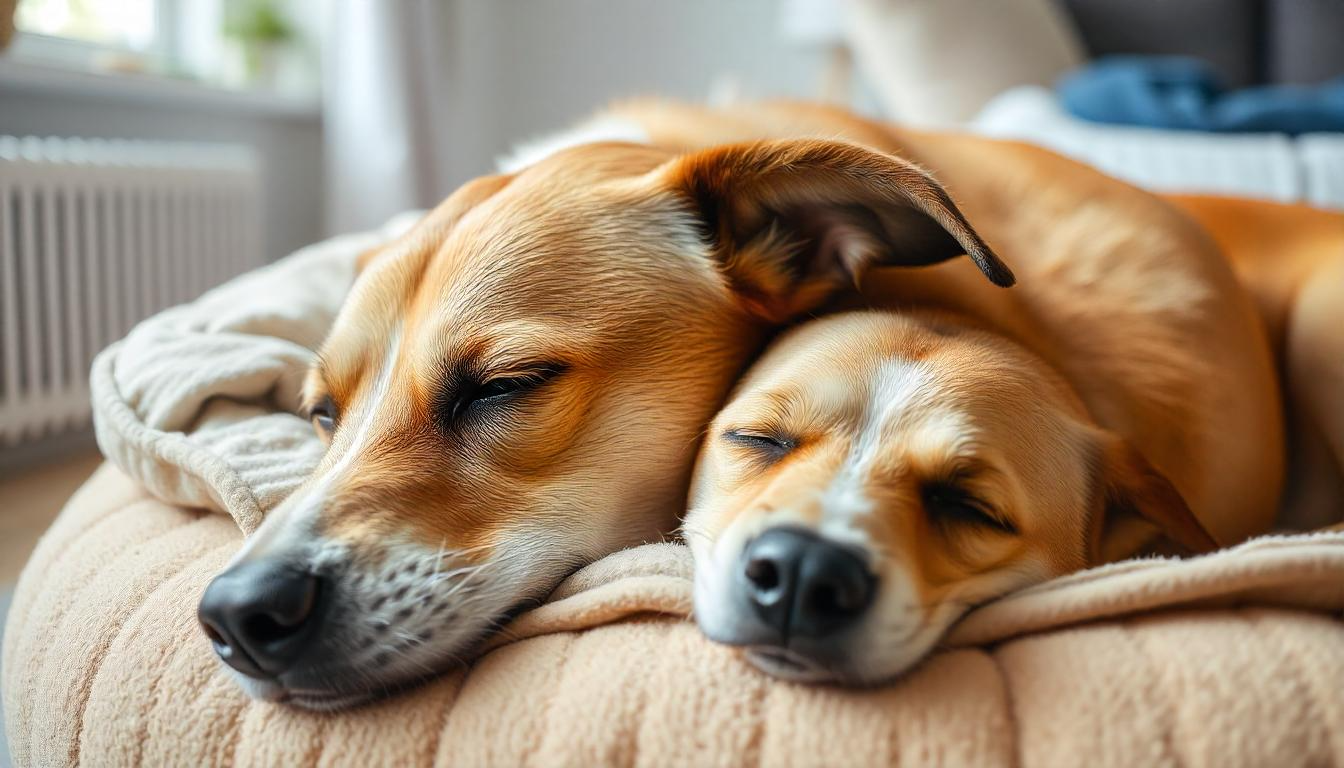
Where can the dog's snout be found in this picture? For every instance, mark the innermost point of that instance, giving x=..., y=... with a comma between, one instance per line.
x=261, y=616
x=802, y=585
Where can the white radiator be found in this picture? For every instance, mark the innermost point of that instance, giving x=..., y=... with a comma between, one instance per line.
x=96, y=236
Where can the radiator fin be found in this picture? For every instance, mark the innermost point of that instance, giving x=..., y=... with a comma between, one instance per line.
x=95, y=236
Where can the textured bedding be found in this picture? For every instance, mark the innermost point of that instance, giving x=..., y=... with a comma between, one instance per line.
x=1306, y=169
x=1236, y=658
x=104, y=664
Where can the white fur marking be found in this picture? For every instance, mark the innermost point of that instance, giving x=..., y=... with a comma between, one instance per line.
x=380, y=389
x=844, y=500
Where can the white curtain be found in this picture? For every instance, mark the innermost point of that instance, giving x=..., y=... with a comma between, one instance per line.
x=384, y=92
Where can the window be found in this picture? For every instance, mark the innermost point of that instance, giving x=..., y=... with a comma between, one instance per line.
x=132, y=24
x=254, y=45
x=107, y=35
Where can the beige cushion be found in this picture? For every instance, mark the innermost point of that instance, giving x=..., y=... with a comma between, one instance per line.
x=104, y=664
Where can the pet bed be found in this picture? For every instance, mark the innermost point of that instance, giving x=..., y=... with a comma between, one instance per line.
x=1235, y=658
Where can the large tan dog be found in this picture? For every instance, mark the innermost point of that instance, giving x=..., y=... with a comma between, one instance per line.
x=519, y=385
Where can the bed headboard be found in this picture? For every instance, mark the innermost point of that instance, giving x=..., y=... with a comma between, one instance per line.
x=1248, y=42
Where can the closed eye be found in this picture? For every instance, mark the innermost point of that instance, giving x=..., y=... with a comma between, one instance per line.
x=767, y=443
x=323, y=416
x=950, y=503
x=501, y=389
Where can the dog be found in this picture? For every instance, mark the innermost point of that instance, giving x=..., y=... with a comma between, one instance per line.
x=877, y=474
x=520, y=384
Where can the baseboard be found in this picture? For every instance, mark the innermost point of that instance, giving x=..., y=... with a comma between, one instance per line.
x=25, y=456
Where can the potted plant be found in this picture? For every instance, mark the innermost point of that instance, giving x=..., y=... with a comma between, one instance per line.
x=263, y=37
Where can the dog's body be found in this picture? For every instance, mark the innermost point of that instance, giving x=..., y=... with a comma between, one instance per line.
x=518, y=386
x=1290, y=258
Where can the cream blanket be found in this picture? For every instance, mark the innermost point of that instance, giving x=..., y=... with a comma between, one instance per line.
x=1231, y=658
x=198, y=403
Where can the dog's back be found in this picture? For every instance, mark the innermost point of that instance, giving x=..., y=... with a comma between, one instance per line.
x=1291, y=260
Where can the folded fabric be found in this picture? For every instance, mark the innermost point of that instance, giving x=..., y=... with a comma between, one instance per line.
x=1184, y=94
x=199, y=402
x=1307, y=169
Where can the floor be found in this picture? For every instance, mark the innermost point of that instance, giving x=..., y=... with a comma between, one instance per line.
x=30, y=497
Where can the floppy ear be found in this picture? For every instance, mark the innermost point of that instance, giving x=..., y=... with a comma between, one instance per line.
x=1134, y=499
x=792, y=221
x=437, y=222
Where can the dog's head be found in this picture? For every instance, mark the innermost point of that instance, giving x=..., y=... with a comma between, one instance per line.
x=517, y=387
x=875, y=475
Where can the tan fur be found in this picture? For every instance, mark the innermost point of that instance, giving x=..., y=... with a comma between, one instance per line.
x=463, y=288
x=1291, y=260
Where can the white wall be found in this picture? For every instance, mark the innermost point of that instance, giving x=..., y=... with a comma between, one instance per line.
x=526, y=67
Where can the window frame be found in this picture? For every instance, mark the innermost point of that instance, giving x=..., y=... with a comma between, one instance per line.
x=158, y=58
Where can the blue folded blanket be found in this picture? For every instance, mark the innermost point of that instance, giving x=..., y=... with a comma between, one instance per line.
x=1184, y=94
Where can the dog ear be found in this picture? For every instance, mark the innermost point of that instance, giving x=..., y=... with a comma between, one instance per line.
x=439, y=221
x=1134, y=498
x=792, y=221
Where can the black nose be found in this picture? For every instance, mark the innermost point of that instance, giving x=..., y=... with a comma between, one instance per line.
x=802, y=585
x=261, y=616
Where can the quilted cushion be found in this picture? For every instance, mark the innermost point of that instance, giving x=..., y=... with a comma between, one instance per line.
x=104, y=665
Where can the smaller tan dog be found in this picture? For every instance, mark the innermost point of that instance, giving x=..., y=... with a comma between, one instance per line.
x=876, y=474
